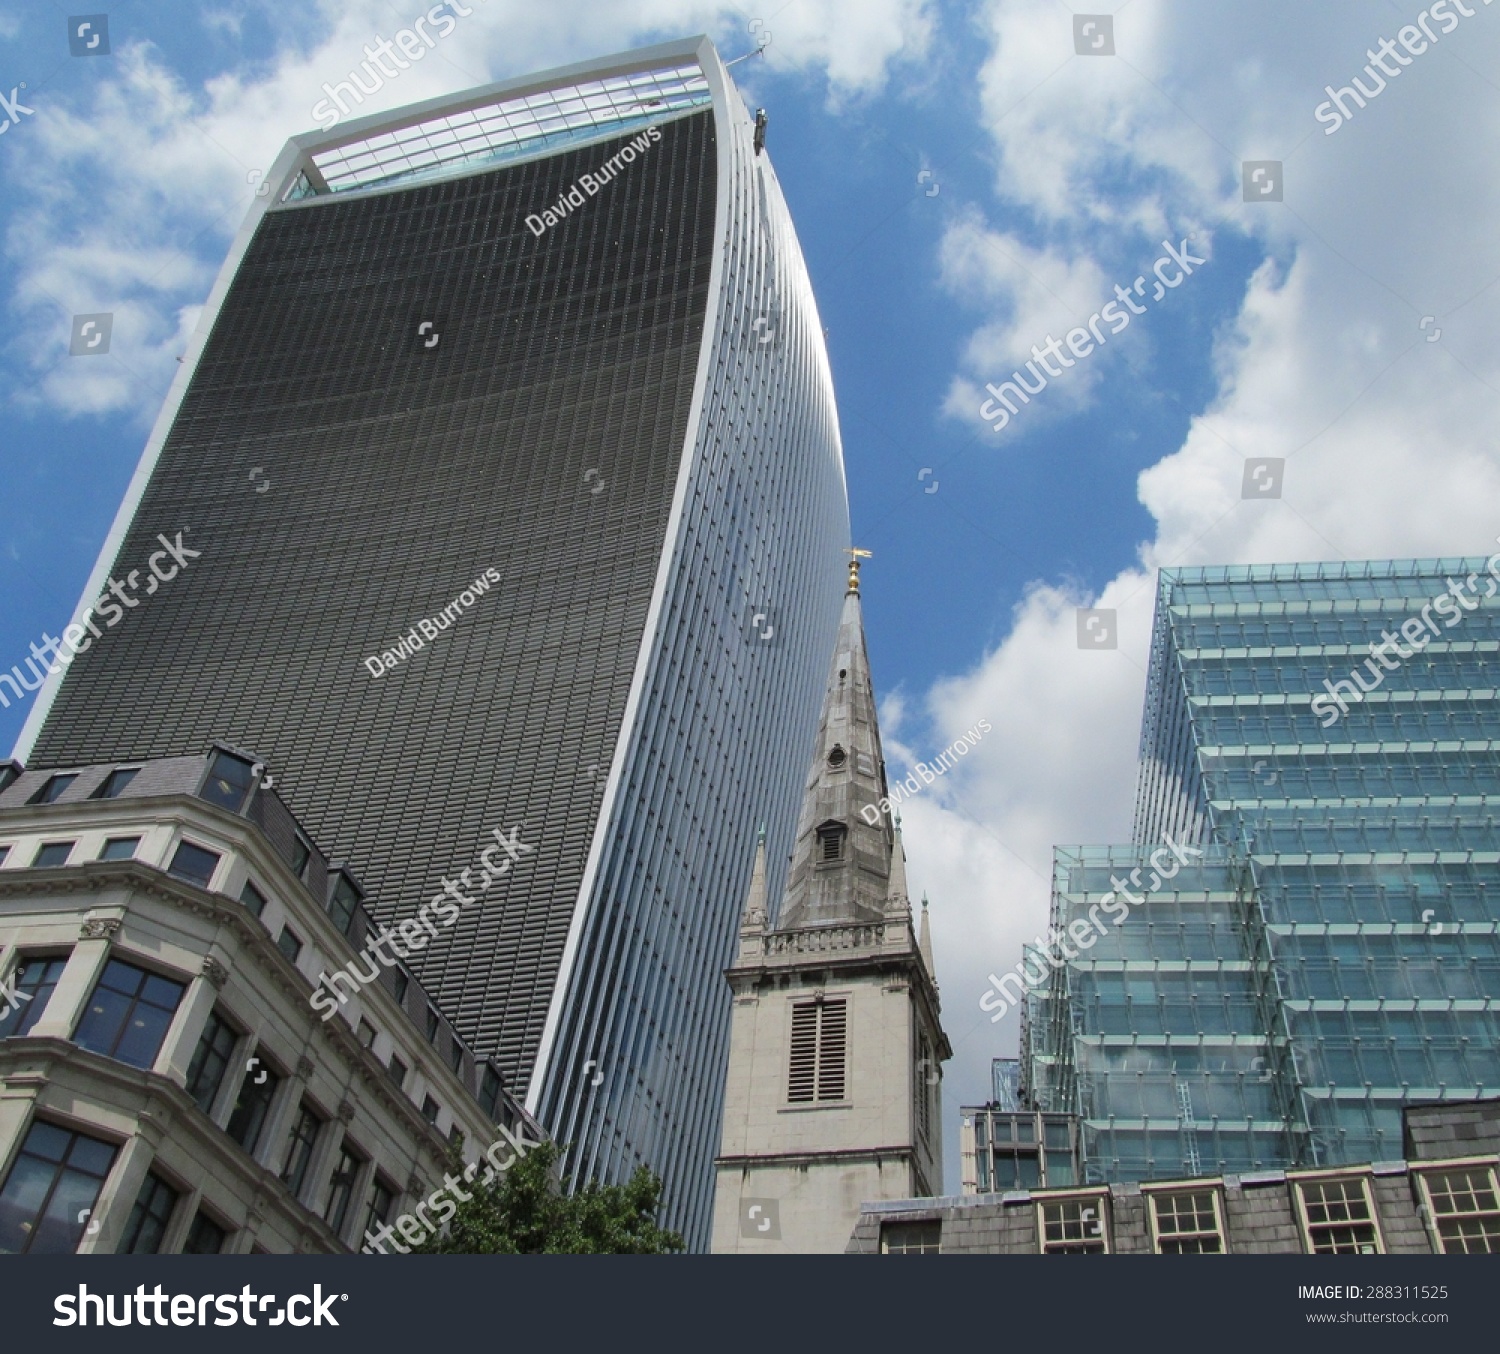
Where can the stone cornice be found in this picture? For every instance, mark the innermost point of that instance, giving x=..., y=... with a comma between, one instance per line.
x=801, y=954
x=861, y=1155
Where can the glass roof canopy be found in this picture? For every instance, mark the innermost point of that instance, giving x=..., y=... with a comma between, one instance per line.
x=510, y=129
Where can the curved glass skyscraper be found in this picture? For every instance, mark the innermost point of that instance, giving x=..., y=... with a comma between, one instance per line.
x=508, y=447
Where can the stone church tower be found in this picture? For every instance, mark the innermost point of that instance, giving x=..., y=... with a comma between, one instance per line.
x=834, y=1091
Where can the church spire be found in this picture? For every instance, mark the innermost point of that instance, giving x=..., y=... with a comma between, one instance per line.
x=924, y=943
x=842, y=857
x=897, y=900
x=753, y=922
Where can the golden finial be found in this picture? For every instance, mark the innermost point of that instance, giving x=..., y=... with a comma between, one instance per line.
x=855, y=555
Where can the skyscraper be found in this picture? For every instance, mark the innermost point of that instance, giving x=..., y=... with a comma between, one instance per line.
x=1305, y=936
x=508, y=449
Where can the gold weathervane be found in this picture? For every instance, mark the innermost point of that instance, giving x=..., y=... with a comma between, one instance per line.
x=855, y=555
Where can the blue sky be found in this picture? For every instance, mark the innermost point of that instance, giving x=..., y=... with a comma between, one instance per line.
x=965, y=185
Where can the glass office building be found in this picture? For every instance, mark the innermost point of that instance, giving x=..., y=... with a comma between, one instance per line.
x=1325, y=736
x=508, y=445
x=1010, y=1145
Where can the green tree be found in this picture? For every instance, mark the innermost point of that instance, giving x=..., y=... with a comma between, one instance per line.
x=525, y=1211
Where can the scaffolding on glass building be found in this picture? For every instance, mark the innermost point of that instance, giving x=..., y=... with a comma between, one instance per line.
x=1325, y=736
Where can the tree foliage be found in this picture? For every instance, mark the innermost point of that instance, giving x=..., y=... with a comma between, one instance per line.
x=525, y=1211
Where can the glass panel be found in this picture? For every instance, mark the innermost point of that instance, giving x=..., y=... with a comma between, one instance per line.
x=33, y=986
x=194, y=864
x=149, y=1218
x=55, y=1180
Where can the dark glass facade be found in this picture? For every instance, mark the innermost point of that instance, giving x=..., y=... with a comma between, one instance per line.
x=1326, y=736
x=655, y=482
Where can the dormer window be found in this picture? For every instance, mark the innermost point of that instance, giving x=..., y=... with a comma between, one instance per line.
x=228, y=781
x=52, y=790
x=831, y=843
x=343, y=901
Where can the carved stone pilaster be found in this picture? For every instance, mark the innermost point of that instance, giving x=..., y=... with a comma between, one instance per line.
x=98, y=928
x=215, y=972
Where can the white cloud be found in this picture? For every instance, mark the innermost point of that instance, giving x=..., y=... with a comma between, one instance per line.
x=1388, y=437
x=1038, y=294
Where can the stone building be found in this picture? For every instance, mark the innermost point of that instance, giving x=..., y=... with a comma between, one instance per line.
x=834, y=1088
x=168, y=1079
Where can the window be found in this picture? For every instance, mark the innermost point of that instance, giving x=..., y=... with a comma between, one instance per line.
x=52, y=791
x=32, y=988
x=343, y=902
x=205, y=1073
x=252, y=1104
x=429, y=1109
x=922, y=1090
x=1073, y=1226
x=194, y=864
x=366, y=1033
x=114, y=784
x=382, y=1199
x=128, y=1014
x=205, y=1237
x=229, y=780
x=1337, y=1217
x=1187, y=1223
x=149, y=1218
x=52, y=854
x=455, y=1054
x=837, y=757
x=1465, y=1208
x=301, y=854
x=911, y=1238
x=817, y=1061
x=57, y=1175
x=396, y=1070
x=341, y=1188
x=433, y=1025
x=489, y=1091
x=400, y=979
x=120, y=848
x=831, y=842
x=253, y=898
x=289, y=943
x=4, y=851
x=299, y=1148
